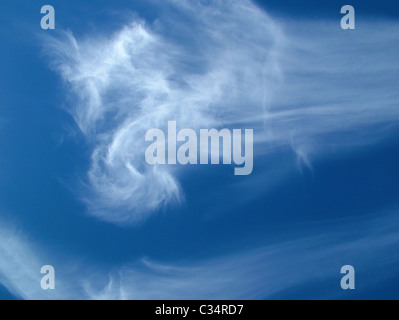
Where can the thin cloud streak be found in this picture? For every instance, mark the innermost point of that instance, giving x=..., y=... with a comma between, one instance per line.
x=339, y=89
x=271, y=270
x=20, y=265
x=369, y=244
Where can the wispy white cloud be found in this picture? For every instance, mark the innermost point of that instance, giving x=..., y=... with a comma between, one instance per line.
x=307, y=85
x=20, y=265
x=265, y=272
x=312, y=255
x=338, y=89
x=144, y=76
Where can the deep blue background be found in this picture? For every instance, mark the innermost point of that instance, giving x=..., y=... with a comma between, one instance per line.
x=38, y=174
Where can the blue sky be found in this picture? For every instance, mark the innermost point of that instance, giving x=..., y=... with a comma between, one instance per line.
x=324, y=106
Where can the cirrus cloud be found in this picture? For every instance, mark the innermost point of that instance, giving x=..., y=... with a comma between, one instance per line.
x=221, y=64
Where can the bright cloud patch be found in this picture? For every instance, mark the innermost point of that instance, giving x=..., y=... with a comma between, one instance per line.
x=219, y=65
x=145, y=75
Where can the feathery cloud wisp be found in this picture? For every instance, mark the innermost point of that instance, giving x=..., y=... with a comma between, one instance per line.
x=142, y=77
x=226, y=64
x=261, y=273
